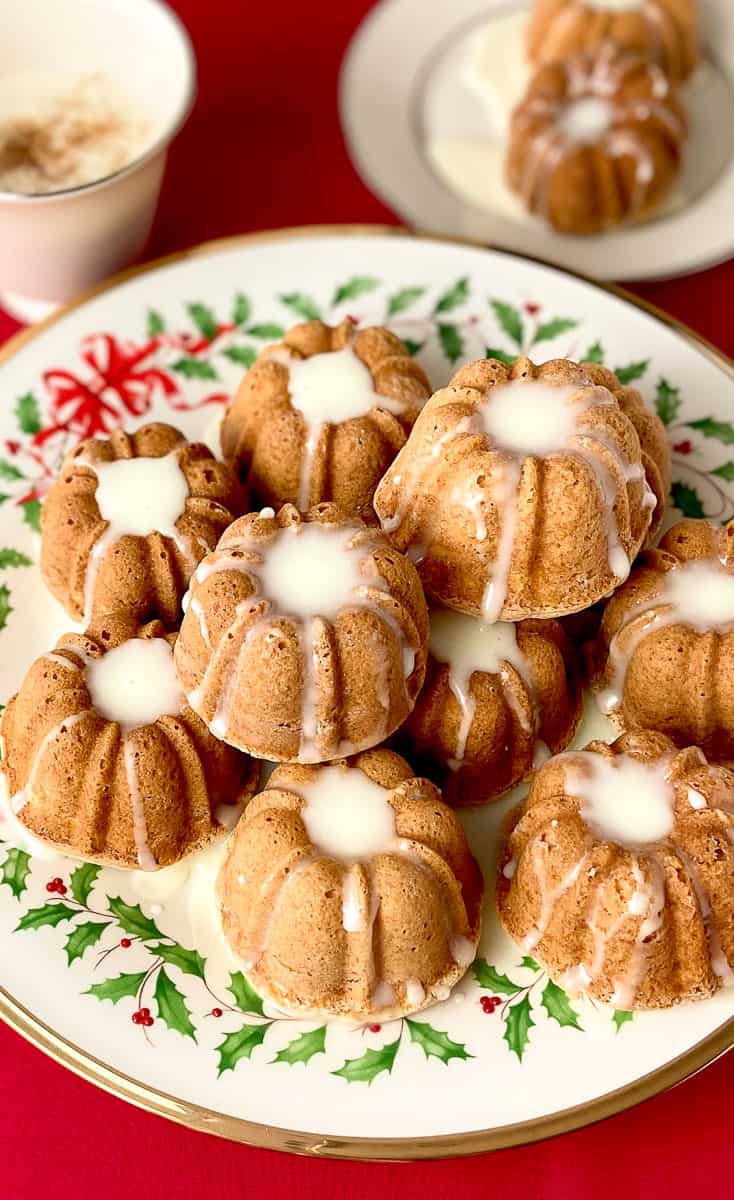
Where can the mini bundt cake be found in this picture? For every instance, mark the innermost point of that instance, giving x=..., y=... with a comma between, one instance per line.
x=321, y=416
x=527, y=491
x=103, y=758
x=305, y=636
x=619, y=874
x=665, y=31
x=664, y=658
x=596, y=141
x=129, y=518
x=497, y=701
x=349, y=890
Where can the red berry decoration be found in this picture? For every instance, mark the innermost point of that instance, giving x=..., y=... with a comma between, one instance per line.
x=136, y=1018
x=216, y=1012
x=147, y=1021
x=50, y=886
x=684, y=447
x=374, y=1028
x=56, y=885
x=125, y=943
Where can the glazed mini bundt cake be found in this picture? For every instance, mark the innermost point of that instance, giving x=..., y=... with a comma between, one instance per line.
x=597, y=140
x=527, y=491
x=619, y=873
x=497, y=701
x=129, y=518
x=322, y=415
x=103, y=758
x=665, y=654
x=665, y=31
x=349, y=890
x=305, y=636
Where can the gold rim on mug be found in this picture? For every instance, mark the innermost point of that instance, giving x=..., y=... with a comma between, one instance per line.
x=252, y=1133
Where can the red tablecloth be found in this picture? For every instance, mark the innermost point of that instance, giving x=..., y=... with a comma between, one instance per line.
x=263, y=149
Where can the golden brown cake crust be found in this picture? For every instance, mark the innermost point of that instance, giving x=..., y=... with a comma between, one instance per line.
x=582, y=895
x=585, y=187
x=282, y=901
x=673, y=678
x=264, y=436
x=236, y=648
x=78, y=796
x=143, y=576
x=560, y=560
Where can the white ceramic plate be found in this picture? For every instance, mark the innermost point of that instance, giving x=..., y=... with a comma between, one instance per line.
x=411, y=104
x=170, y=343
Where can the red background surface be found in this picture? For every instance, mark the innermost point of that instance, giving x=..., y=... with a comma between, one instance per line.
x=263, y=149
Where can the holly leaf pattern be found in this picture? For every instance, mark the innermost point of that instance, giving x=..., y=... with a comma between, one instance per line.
x=510, y=320
x=451, y=341
x=632, y=371
x=722, y=431
x=240, y=1044
x=435, y=1043
x=667, y=401
x=621, y=1017
x=32, y=515
x=595, y=354
x=687, y=500
x=245, y=355
x=245, y=996
x=28, y=414
x=154, y=323
x=500, y=355
x=518, y=1023
x=369, y=1065
x=188, y=961
x=413, y=348
x=557, y=1005
x=268, y=331
x=118, y=988
x=194, y=368
x=453, y=297
x=82, y=881
x=358, y=285
x=5, y=606
x=490, y=978
x=15, y=870
x=725, y=471
x=553, y=329
x=14, y=558
x=241, y=309
x=204, y=320
x=9, y=470
x=47, y=914
x=304, y=306
x=403, y=299
x=133, y=919
x=172, y=1008
x=82, y=937
x=303, y=1048
x=530, y=963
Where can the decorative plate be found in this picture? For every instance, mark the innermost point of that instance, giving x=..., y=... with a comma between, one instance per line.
x=425, y=104
x=123, y=976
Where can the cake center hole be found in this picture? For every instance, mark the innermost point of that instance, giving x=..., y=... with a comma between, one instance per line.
x=530, y=417
x=702, y=594
x=586, y=120
x=333, y=387
x=622, y=800
x=311, y=570
x=138, y=496
x=347, y=816
x=468, y=645
x=135, y=683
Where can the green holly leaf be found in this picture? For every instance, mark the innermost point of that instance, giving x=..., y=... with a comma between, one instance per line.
x=268, y=331
x=687, y=500
x=632, y=371
x=82, y=937
x=722, y=431
x=500, y=355
x=5, y=606
x=490, y=978
x=413, y=348
x=32, y=515
x=530, y=963
x=154, y=323
x=14, y=558
x=245, y=996
x=358, y=285
x=117, y=988
x=9, y=470
x=595, y=354
x=303, y=1048
x=667, y=401
x=82, y=881
x=133, y=919
x=435, y=1043
x=305, y=306
x=403, y=299
x=518, y=1023
x=172, y=1008
x=3, y=497
x=28, y=413
x=621, y=1017
x=204, y=320
x=188, y=961
x=241, y=310
x=453, y=297
x=245, y=355
x=240, y=1045
x=451, y=341
x=195, y=368
x=509, y=320
x=556, y=1004
x=369, y=1065
x=47, y=914
x=553, y=329
x=15, y=870
x=725, y=471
